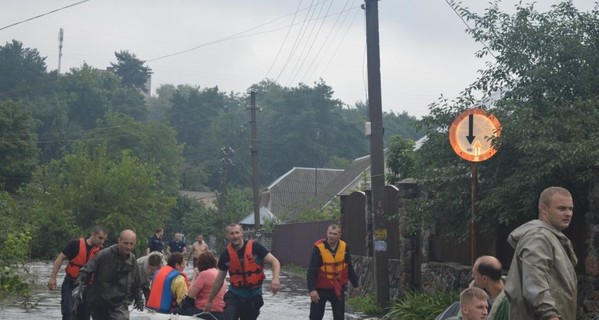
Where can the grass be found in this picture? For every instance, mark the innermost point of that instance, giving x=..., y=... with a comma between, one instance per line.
x=295, y=270
x=365, y=304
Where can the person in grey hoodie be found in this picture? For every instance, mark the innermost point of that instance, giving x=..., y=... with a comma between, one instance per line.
x=541, y=282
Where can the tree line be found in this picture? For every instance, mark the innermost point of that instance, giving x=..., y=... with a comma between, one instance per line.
x=93, y=146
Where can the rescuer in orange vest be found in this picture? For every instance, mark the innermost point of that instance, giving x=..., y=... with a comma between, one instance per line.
x=78, y=252
x=329, y=271
x=244, y=260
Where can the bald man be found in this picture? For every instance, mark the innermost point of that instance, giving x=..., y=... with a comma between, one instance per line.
x=486, y=272
x=115, y=279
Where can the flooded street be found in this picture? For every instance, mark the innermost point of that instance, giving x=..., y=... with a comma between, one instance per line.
x=291, y=303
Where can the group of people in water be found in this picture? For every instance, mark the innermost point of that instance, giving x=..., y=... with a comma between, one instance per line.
x=104, y=283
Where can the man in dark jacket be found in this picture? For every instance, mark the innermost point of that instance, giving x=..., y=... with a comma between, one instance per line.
x=116, y=281
x=329, y=271
x=78, y=252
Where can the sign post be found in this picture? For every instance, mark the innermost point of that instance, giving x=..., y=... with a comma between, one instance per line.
x=470, y=136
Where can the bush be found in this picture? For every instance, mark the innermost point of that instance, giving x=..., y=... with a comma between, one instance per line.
x=420, y=306
x=13, y=255
x=365, y=304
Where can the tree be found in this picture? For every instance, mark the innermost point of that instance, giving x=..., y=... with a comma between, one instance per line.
x=132, y=71
x=304, y=126
x=154, y=143
x=18, y=153
x=22, y=72
x=400, y=159
x=93, y=188
x=543, y=86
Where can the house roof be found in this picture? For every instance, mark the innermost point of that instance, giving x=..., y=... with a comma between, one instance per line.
x=207, y=198
x=298, y=190
x=265, y=215
x=295, y=191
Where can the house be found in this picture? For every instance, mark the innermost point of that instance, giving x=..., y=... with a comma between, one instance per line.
x=208, y=199
x=265, y=216
x=311, y=189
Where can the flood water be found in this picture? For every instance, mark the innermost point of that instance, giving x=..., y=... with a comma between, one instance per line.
x=290, y=303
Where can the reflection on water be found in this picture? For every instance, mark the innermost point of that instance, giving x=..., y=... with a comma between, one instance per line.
x=291, y=303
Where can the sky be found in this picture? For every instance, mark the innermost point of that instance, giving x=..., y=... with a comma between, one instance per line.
x=425, y=51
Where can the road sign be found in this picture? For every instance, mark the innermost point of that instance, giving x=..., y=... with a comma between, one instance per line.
x=471, y=133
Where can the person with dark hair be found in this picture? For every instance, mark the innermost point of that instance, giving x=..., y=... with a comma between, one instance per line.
x=149, y=264
x=155, y=241
x=176, y=245
x=244, y=260
x=487, y=274
x=200, y=289
x=170, y=285
x=542, y=281
x=113, y=280
x=78, y=252
x=329, y=272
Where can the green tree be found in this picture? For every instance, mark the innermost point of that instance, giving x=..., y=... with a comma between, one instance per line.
x=400, y=159
x=131, y=70
x=95, y=188
x=304, y=126
x=18, y=153
x=22, y=72
x=153, y=143
x=543, y=87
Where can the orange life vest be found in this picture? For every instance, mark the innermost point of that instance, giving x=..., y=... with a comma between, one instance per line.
x=250, y=274
x=333, y=268
x=161, y=296
x=81, y=259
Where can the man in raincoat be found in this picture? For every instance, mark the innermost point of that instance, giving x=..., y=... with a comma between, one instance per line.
x=541, y=282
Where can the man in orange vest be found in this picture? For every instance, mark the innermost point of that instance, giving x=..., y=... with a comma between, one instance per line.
x=78, y=252
x=329, y=271
x=244, y=260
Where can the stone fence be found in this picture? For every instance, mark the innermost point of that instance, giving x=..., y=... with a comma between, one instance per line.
x=445, y=277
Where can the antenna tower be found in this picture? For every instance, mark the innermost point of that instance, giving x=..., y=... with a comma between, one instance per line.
x=60, y=38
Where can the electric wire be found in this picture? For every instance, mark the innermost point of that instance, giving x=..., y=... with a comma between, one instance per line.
x=326, y=44
x=284, y=39
x=296, y=42
x=43, y=14
x=307, y=48
x=237, y=35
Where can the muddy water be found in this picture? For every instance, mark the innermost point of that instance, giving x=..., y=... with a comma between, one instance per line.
x=290, y=303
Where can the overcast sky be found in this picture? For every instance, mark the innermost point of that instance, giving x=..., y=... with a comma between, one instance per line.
x=233, y=44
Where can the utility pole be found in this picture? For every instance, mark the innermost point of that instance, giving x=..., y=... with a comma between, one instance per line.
x=60, y=38
x=254, y=153
x=226, y=163
x=377, y=160
x=316, y=163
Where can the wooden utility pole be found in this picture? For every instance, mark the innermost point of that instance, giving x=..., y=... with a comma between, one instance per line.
x=377, y=160
x=254, y=153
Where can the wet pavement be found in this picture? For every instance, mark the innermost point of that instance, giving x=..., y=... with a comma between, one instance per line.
x=290, y=303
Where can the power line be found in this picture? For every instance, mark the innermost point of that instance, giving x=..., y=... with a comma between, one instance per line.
x=43, y=14
x=326, y=43
x=231, y=37
x=284, y=39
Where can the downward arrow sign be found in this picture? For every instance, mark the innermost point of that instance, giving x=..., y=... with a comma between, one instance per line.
x=470, y=135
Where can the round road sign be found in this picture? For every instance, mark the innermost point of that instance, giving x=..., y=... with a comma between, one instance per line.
x=471, y=133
